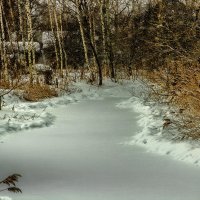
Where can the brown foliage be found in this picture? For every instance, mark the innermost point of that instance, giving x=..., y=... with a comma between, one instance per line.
x=167, y=30
x=37, y=92
x=179, y=86
x=5, y=84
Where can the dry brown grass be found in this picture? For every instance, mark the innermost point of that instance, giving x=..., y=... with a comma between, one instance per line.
x=38, y=92
x=11, y=181
x=5, y=84
x=180, y=87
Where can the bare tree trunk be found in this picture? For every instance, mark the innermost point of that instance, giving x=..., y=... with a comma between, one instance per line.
x=83, y=37
x=22, y=31
x=103, y=29
x=108, y=57
x=109, y=41
x=58, y=34
x=3, y=45
x=54, y=38
x=86, y=29
x=92, y=30
x=31, y=49
x=62, y=35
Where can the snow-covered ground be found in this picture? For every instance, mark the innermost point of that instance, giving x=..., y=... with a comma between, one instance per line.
x=5, y=198
x=79, y=149
x=82, y=156
x=155, y=137
x=19, y=115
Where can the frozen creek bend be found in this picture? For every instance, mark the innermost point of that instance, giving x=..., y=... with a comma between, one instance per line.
x=82, y=157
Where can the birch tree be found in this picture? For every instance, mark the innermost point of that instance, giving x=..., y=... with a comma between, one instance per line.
x=4, y=60
x=83, y=37
x=109, y=41
x=58, y=35
x=53, y=32
x=31, y=49
x=108, y=57
x=83, y=13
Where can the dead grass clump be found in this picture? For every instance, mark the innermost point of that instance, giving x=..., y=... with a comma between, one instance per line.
x=38, y=92
x=179, y=85
x=11, y=181
x=4, y=84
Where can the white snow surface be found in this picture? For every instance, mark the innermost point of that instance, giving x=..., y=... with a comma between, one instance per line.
x=154, y=137
x=81, y=157
x=5, y=198
x=21, y=46
x=42, y=67
x=18, y=115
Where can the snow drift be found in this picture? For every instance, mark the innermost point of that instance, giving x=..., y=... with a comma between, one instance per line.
x=5, y=198
x=19, y=115
x=155, y=138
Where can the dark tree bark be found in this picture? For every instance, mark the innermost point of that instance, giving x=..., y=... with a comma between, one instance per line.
x=86, y=26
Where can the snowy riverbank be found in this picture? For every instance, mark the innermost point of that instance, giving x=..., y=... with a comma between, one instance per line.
x=92, y=147
x=153, y=137
x=83, y=156
x=18, y=115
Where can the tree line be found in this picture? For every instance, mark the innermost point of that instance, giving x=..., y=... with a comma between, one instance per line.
x=102, y=37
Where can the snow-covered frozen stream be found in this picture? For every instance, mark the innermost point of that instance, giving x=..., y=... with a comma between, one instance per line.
x=83, y=156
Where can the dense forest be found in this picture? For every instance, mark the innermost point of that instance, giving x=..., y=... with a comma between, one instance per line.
x=43, y=43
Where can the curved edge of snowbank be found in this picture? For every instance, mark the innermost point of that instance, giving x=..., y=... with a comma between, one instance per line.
x=5, y=198
x=28, y=122
x=152, y=136
x=19, y=115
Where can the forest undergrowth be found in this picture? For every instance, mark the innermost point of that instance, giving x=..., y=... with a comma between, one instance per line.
x=180, y=91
